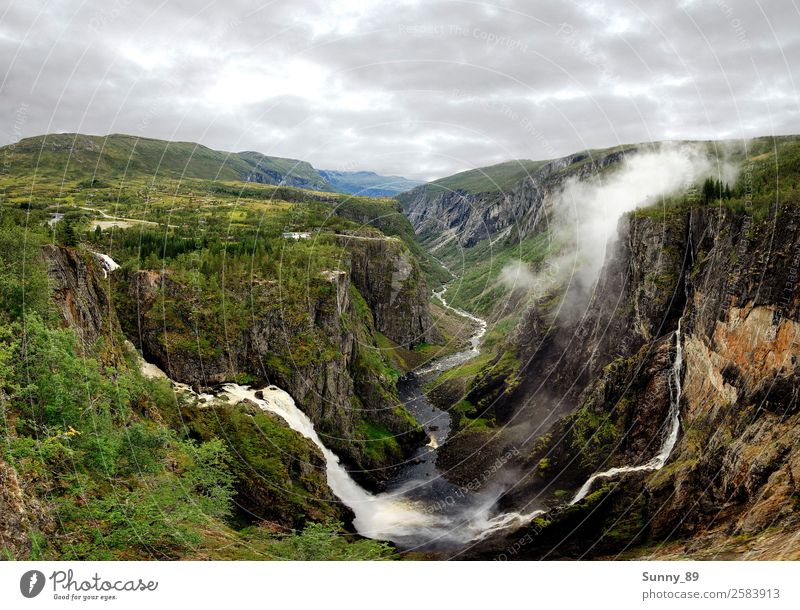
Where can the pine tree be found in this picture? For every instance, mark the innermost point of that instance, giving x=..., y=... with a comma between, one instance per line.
x=708, y=190
x=70, y=238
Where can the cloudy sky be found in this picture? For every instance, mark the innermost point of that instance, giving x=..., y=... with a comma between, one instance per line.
x=417, y=88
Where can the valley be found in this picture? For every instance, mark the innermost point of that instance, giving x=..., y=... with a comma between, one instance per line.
x=586, y=357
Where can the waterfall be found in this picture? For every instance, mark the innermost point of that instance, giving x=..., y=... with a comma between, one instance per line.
x=672, y=426
x=377, y=516
x=675, y=403
x=107, y=264
x=393, y=516
x=385, y=516
x=506, y=521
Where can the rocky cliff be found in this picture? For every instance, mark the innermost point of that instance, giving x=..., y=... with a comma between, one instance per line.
x=21, y=514
x=389, y=278
x=730, y=277
x=79, y=287
x=280, y=475
x=319, y=347
x=442, y=215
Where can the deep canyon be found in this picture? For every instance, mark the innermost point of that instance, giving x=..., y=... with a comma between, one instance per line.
x=587, y=357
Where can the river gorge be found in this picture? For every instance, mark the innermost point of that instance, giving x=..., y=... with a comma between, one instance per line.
x=331, y=382
x=419, y=509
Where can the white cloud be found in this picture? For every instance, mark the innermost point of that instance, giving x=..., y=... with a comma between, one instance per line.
x=406, y=88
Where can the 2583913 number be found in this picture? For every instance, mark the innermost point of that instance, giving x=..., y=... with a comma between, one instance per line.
x=754, y=594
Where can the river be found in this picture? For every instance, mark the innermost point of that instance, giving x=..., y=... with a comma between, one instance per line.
x=420, y=509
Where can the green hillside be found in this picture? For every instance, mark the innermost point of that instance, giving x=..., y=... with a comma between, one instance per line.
x=488, y=179
x=77, y=156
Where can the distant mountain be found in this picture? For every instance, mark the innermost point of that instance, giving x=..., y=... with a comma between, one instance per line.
x=368, y=184
x=77, y=156
x=74, y=156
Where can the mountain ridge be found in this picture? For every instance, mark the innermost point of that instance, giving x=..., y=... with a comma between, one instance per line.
x=123, y=155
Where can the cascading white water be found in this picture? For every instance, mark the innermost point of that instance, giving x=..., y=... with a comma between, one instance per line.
x=475, y=340
x=670, y=438
x=377, y=516
x=386, y=516
x=391, y=516
x=107, y=263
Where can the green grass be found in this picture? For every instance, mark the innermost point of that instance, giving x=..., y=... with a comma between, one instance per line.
x=78, y=156
x=474, y=425
x=379, y=442
x=768, y=175
x=316, y=542
x=499, y=177
x=467, y=370
x=220, y=242
x=478, y=288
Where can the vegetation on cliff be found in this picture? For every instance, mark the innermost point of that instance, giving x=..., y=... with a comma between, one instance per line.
x=120, y=466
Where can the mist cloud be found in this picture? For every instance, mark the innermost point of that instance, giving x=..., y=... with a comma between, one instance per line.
x=586, y=213
x=517, y=275
x=589, y=210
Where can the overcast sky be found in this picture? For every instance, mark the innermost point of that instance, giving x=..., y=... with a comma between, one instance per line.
x=421, y=89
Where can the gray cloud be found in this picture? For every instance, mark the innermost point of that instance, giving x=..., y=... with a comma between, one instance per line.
x=417, y=88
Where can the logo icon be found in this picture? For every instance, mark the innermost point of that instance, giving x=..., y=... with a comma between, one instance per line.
x=31, y=583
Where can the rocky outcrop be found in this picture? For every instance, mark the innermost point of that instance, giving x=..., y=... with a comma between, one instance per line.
x=280, y=475
x=738, y=458
x=564, y=360
x=79, y=287
x=390, y=280
x=320, y=349
x=731, y=278
x=441, y=215
x=21, y=516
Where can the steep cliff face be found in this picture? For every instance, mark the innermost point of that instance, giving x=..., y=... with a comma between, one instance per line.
x=280, y=476
x=441, y=215
x=389, y=278
x=730, y=277
x=580, y=354
x=737, y=461
x=321, y=349
x=21, y=514
x=79, y=291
